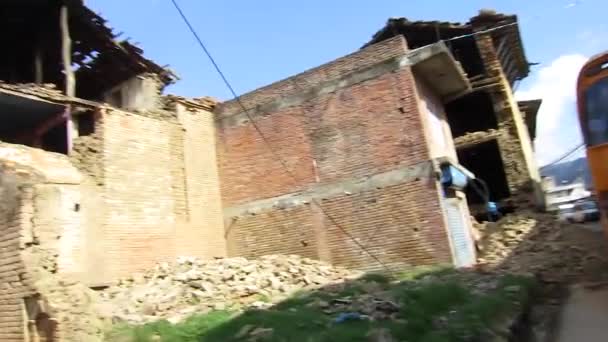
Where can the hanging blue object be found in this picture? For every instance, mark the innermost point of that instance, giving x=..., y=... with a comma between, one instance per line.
x=453, y=177
x=492, y=208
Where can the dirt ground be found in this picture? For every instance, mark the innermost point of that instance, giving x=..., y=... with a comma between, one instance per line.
x=584, y=316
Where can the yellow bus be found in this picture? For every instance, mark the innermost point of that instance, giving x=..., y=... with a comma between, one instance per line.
x=592, y=102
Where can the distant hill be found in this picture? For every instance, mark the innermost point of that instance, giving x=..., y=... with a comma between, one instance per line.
x=568, y=172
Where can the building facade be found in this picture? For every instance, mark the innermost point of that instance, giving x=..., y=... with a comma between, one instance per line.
x=493, y=133
x=100, y=175
x=347, y=171
x=361, y=162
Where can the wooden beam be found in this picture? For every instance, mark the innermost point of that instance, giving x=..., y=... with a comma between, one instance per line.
x=508, y=68
x=501, y=49
x=511, y=73
x=66, y=52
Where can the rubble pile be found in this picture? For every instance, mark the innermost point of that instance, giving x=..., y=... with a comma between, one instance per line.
x=539, y=244
x=176, y=290
x=72, y=306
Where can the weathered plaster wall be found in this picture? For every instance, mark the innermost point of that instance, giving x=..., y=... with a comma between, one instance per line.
x=439, y=133
x=140, y=93
x=43, y=234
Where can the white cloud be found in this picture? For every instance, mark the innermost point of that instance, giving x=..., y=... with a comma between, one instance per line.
x=557, y=130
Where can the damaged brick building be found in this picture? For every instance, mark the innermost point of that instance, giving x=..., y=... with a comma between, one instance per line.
x=101, y=175
x=493, y=133
x=363, y=137
x=346, y=126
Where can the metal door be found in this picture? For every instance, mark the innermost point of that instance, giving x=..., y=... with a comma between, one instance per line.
x=463, y=248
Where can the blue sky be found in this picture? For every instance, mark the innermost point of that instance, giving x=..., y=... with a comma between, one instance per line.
x=259, y=42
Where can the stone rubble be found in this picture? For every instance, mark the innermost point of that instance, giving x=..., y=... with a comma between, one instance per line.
x=190, y=285
x=537, y=243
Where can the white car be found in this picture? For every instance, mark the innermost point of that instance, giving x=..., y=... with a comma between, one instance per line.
x=566, y=212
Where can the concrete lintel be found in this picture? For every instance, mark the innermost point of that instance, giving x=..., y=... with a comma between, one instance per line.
x=358, y=76
x=441, y=71
x=424, y=169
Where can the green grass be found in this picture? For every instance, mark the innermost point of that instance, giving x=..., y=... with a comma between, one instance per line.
x=434, y=311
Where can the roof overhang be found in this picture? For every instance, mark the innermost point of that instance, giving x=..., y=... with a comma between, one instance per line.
x=437, y=67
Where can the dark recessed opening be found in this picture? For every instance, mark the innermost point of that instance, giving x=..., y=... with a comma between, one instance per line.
x=471, y=113
x=86, y=123
x=29, y=122
x=467, y=53
x=418, y=35
x=485, y=162
x=56, y=139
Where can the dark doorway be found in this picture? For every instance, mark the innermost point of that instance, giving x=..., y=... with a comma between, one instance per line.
x=471, y=113
x=485, y=162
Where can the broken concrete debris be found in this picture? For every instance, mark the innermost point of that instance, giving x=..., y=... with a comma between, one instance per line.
x=190, y=285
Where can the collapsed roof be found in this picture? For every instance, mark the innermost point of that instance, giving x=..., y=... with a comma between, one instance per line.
x=31, y=28
x=420, y=33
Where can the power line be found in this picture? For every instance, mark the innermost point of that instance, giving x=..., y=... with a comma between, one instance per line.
x=566, y=155
x=259, y=131
x=482, y=31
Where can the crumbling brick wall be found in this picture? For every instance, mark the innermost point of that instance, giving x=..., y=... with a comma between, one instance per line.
x=336, y=127
x=14, y=285
x=43, y=249
x=513, y=138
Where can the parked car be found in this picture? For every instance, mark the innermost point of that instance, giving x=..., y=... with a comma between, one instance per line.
x=566, y=212
x=586, y=212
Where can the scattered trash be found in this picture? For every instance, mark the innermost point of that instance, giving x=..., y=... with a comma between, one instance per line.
x=350, y=316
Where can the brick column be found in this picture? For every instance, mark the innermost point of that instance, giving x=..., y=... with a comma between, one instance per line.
x=514, y=140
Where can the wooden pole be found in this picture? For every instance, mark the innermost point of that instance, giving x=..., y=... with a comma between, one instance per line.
x=66, y=52
x=38, y=66
x=70, y=86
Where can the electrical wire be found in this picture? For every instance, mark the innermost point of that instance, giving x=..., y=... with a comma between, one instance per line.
x=566, y=155
x=481, y=31
x=265, y=140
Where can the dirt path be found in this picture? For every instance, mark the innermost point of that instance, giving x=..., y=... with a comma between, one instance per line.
x=584, y=317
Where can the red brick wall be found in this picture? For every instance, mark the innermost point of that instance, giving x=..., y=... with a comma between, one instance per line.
x=367, y=128
x=399, y=224
x=358, y=60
